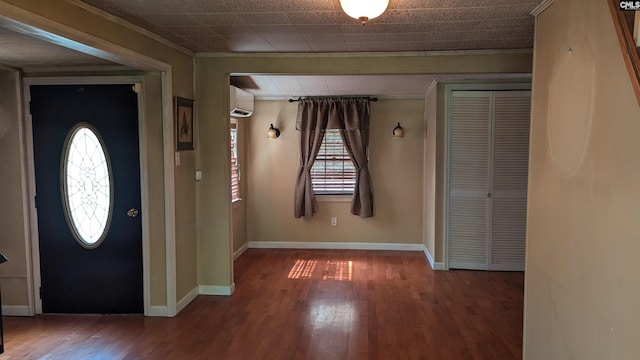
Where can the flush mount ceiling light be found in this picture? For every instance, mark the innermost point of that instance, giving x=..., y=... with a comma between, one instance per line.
x=364, y=10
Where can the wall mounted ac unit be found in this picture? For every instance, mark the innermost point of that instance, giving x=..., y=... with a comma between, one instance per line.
x=241, y=102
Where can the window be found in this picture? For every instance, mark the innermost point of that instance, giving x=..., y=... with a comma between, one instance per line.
x=333, y=171
x=87, y=186
x=235, y=167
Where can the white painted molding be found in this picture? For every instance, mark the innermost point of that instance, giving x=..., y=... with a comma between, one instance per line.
x=240, y=251
x=429, y=257
x=187, y=299
x=432, y=86
x=159, y=311
x=334, y=246
x=217, y=290
x=434, y=265
x=542, y=7
x=15, y=310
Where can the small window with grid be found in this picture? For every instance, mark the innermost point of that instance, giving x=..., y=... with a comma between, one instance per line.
x=235, y=167
x=333, y=172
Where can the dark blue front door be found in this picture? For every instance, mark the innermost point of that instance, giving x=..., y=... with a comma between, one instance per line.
x=76, y=278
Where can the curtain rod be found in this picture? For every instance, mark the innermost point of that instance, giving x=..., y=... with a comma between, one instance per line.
x=330, y=97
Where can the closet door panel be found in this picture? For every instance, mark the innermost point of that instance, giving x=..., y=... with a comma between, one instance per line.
x=510, y=178
x=469, y=179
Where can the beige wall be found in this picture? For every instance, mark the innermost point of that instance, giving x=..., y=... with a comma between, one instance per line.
x=131, y=48
x=396, y=173
x=13, y=274
x=582, y=269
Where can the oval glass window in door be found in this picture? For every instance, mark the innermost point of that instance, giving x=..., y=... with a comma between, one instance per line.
x=87, y=185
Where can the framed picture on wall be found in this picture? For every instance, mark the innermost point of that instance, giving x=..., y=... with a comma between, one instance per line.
x=184, y=123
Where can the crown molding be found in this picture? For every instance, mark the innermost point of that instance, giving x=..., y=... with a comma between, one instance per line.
x=542, y=7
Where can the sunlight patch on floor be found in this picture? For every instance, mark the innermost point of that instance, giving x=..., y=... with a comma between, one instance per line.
x=330, y=270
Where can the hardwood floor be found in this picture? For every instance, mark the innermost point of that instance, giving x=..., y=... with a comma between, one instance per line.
x=306, y=304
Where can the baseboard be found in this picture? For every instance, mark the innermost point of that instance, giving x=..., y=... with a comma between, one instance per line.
x=216, y=290
x=429, y=257
x=334, y=246
x=240, y=251
x=15, y=310
x=187, y=299
x=159, y=311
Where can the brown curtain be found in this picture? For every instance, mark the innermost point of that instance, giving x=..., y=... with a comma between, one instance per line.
x=351, y=116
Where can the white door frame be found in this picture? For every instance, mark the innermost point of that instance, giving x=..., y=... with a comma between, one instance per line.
x=449, y=88
x=35, y=300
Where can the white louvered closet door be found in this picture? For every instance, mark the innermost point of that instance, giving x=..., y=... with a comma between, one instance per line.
x=510, y=177
x=469, y=179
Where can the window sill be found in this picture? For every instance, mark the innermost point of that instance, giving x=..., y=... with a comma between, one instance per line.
x=235, y=203
x=334, y=198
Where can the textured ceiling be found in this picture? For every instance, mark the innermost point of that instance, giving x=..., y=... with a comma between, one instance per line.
x=305, y=26
x=321, y=26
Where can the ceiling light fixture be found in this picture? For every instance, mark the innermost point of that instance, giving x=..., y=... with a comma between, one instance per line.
x=364, y=10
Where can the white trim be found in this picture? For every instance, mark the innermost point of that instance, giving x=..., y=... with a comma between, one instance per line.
x=31, y=192
x=159, y=311
x=26, y=211
x=542, y=7
x=217, y=290
x=431, y=87
x=438, y=266
x=15, y=310
x=364, y=54
x=334, y=246
x=169, y=191
x=240, y=251
x=144, y=197
x=129, y=25
x=429, y=257
x=187, y=299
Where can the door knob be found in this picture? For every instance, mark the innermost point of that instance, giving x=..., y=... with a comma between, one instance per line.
x=133, y=213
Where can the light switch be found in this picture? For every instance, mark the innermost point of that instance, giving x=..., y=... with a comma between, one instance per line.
x=177, y=158
x=198, y=175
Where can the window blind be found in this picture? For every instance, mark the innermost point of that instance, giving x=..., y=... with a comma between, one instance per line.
x=235, y=168
x=333, y=171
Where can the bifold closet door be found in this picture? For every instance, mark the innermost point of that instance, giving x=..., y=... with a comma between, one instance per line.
x=509, y=179
x=469, y=179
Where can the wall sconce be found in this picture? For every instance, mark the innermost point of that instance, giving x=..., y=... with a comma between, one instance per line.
x=398, y=132
x=273, y=133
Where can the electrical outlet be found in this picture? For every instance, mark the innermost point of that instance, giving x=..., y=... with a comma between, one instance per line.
x=334, y=221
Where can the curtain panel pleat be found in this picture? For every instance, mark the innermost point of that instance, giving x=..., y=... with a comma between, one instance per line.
x=351, y=116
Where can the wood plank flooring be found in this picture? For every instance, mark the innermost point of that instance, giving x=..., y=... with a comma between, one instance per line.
x=306, y=304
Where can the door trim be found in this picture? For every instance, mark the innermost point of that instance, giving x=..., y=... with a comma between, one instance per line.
x=36, y=304
x=448, y=90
